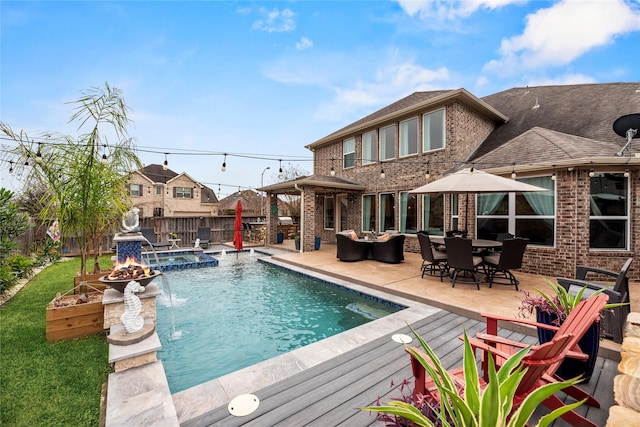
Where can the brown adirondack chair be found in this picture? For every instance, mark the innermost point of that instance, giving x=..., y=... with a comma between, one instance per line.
x=537, y=362
x=576, y=324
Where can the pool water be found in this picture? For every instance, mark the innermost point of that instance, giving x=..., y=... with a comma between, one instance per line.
x=244, y=312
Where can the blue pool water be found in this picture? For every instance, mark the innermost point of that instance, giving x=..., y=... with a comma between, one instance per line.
x=244, y=311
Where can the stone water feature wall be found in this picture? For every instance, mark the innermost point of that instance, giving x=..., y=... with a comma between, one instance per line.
x=626, y=385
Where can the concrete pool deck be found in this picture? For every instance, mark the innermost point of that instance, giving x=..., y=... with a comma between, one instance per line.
x=140, y=396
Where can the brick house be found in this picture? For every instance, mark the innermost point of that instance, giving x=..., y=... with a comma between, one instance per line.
x=557, y=137
x=160, y=192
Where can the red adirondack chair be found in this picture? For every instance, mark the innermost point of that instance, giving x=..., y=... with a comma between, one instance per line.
x=576, y=324
x=537, y=362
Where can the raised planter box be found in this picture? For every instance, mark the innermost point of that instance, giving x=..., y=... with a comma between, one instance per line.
x=74, y=321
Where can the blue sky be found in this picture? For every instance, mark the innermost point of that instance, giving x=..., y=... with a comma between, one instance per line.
x=264, y=79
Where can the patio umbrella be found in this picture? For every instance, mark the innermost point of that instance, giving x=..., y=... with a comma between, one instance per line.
x=237, y=226
x=467, y=181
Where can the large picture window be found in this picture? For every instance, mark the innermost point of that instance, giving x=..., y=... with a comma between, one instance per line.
x=369, y=147
x=369, y=212
x=433, y=214
x=388, y=143
x=349, y=153
x=329, y=213
x=408, y=213
x=609, y=211
x=387, y=212
x=433, y=131
x=409, y=137
x=530, y=215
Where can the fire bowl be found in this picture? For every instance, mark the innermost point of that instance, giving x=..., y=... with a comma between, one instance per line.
x=120, y=284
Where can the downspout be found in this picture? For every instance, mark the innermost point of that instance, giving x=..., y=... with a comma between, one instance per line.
x=301, y=190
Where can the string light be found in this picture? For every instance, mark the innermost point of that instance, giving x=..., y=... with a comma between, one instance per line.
x=224, y=163
x=165, y=165
x=513, y=172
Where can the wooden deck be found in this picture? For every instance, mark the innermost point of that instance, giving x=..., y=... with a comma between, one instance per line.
x=330, y=393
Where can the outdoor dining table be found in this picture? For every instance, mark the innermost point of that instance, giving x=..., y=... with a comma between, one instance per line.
x=476, y=243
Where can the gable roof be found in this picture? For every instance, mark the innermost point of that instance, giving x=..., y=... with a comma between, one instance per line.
x=586, y=110
x=415, y=101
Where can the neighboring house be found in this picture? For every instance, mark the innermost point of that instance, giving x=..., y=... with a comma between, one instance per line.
x=252, y=203
x=160, y=192
x=557, y=137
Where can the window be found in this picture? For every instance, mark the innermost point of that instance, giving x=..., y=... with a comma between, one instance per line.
x=433, y=214
x=409, y=137
x=433, y=136
x=530, y=215
x=349, y=153
x=369, y=212
x=388, y=142
x=182, y=192
x=387, y=212
x=408, y=213
x=609, y=211
x=135, y=190
x=369, y=148
x=329, y=213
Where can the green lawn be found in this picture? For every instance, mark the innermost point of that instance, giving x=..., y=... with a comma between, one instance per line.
x=42, y=383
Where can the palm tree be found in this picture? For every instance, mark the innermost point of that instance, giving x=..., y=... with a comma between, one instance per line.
x=85, y=176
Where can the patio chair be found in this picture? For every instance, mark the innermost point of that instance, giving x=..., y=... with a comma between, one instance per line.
x=499, y=264
x=614, y=319
x=390, y=251
x=204, y=234
x=577, y=323
x=350, y=250
x=460, y=259
x=150, y=235
x=433, y=262
x=539, y=359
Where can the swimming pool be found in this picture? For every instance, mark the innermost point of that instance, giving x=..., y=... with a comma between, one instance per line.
x=244, y=312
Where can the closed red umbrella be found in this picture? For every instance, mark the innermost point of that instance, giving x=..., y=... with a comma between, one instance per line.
x=237, y=225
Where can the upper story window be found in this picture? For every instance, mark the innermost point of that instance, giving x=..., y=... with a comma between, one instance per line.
x=433, y=136
x=349, y=153
x=135, y=190
x=388, y=142
x=369, y=148
x=409, y=137
x=609, y=211
x=182, y=192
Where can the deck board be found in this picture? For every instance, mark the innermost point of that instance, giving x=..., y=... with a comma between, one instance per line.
x=331, y=392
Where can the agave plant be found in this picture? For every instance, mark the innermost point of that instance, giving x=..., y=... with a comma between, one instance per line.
x=491, y=406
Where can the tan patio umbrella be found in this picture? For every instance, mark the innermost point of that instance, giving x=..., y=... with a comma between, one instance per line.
x=469, y=180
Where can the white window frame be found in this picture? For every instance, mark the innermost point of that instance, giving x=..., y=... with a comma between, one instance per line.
x=409, y=137
x=383, y=143
x=426, y=130
x=370, y=147
x=349, y=153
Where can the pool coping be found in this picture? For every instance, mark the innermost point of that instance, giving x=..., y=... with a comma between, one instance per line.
x=200, y=399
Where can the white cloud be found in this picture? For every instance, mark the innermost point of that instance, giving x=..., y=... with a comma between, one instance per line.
x=304, y=43
x=447, y=9
x=276, y=21
x=557, y=35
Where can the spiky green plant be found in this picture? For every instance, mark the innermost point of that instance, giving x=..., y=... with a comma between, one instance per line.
x=491, y=406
